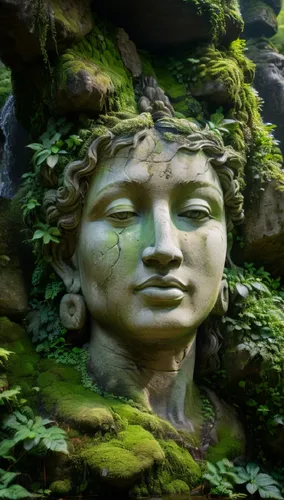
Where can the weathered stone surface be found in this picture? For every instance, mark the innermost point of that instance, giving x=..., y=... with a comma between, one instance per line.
x=264, y=230
x=260, y=18
x=269, y=82
x=22, y=24
x=165, y=23
x=128, y=53
x=84, y=88
x=13, y=295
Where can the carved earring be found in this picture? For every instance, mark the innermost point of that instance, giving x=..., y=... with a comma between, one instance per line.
x=72, y=311
x=222, y=302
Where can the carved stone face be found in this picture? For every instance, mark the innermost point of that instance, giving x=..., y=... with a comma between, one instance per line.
x=152, y=242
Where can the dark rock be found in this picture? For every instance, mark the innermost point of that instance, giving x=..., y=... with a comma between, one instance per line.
x=264, y=230
x=128, y=53
x=269, y=82
x=260, y=18
x=23, y=22
x=13, y=295
x=165, y=23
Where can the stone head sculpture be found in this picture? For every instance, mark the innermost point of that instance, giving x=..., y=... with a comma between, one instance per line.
x=144, y=222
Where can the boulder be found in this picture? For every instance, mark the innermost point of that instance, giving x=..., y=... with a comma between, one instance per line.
x=269, y=82
x=166, y=23
x=13, y=294
x=28, y=28
x=264, y=229
x=260, y=17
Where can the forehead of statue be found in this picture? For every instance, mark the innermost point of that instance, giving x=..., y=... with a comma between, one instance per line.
x=154, y=163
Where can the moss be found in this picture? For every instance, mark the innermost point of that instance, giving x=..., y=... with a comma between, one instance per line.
x=278, y=39
x=62, y=394
x=61, y=487
x=177, y=474
x=98, y=55
x=227, y=446
x=73, y=20
x=218, y=12
x=180, y=463
x=22, y=365
x=5, y=85
x=123, y=459
x=152, y=423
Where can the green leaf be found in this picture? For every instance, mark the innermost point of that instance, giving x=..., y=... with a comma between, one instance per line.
x=211, y=468
x=52, y=160
x=35, y=146
x=265, y=480
x=38, y=234
x=46, y=238
x=6, y=446
x=260, y=287
x=252, y=469
x=270, y=492
x=15, y=492
x=7, y=477
x=242, y=290
x=251, y=487
x=54, y=231
x=42, y=158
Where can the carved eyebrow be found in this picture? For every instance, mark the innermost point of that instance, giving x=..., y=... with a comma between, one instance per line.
x=108, y=191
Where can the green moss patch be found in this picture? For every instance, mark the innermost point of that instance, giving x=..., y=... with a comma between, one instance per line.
x=5, y=85
x=123, y=459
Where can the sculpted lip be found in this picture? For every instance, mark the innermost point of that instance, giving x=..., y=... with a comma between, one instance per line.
x=162, y=290
x=161, y=282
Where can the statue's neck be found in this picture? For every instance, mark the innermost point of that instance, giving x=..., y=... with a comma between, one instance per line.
x=160, y=378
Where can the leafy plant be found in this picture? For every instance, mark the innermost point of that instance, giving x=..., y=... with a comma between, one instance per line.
x=221, y=125
x=222, y=478
x=257, y=482
x=32, y=431
x=46, y=233
x=50, y=147
x=12, y=491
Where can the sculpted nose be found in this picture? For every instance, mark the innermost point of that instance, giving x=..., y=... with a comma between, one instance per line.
x=164, y=249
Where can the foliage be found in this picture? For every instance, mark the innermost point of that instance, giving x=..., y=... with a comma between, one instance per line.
x=22, y=432
x=255, y=324
x=31, y=432
x=4, y=356
x=50, y=147
x=5, y=85
x=221, y=125
x=224, y=477
x=14, y=491
x=56, y=147
x=258, y=482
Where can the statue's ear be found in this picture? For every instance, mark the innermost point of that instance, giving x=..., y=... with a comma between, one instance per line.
x=68, y=271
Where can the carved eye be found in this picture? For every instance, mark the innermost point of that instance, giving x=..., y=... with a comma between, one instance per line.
x=196, y=214
x=124, y=216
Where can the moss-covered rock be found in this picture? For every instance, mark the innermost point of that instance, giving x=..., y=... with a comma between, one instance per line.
x=122, y=460
x=21, y=369
x=61, y=487
x=5, y=85
x=177, y=23
x=228, y=446
x=260, y=17
x=91, y=77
